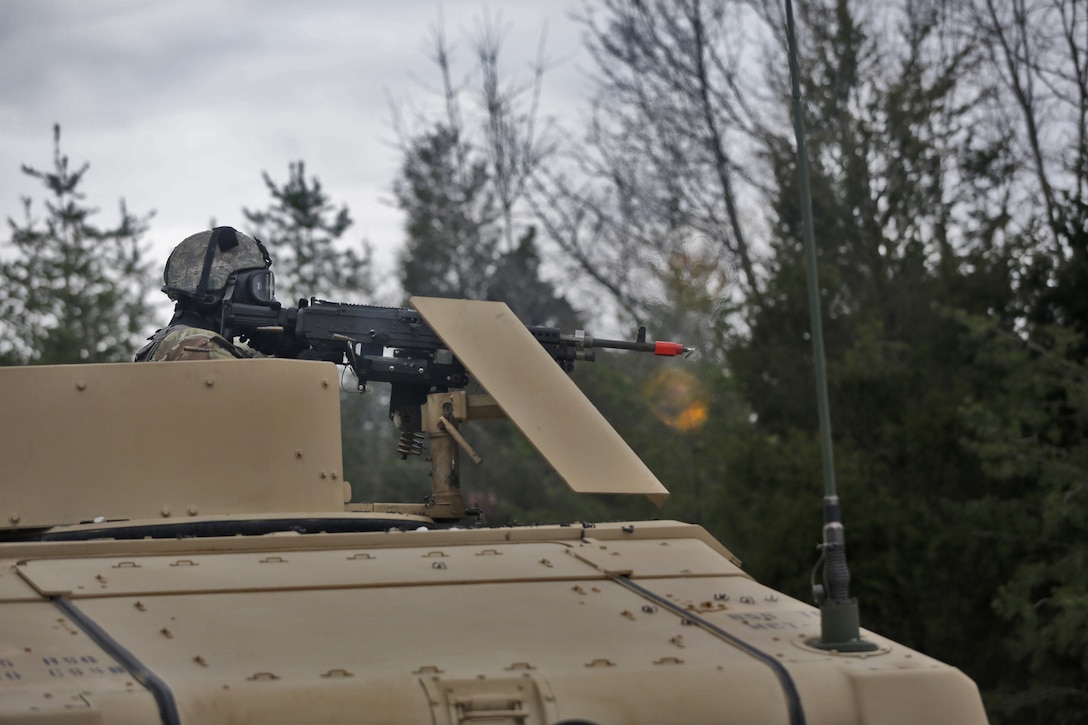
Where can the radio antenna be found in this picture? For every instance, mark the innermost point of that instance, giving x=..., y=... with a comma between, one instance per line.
x=839, y=620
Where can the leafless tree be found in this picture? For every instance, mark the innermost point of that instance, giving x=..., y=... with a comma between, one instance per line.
x=502, y=127
x=666, y=168
x=1039, y=50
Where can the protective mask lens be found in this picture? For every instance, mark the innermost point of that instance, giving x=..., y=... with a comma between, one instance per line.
x=261, y=286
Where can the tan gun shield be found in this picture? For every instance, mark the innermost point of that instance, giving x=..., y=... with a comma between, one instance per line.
x=553, y=413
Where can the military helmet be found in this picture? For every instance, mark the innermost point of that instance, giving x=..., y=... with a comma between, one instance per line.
x=201, y=267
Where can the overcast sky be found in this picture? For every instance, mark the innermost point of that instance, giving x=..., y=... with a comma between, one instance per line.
x=179, y=105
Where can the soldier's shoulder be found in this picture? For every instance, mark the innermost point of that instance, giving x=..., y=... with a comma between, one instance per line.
x=182, y=342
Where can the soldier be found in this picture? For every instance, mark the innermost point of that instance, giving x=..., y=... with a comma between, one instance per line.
x=204, y=271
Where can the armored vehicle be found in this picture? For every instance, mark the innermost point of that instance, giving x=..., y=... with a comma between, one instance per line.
x=176, y=546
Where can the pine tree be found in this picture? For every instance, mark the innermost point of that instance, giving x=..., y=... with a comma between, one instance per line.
x=302, y=228
x=452, y=236
x=911, y=246
x=74, y=292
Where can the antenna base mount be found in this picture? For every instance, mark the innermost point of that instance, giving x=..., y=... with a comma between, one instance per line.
x=840, y=629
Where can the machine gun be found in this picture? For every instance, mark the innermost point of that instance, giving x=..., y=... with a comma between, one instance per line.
x=361, y=335
x=427, y=380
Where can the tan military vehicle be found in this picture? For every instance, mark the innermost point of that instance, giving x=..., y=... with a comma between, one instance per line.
x=176, y=547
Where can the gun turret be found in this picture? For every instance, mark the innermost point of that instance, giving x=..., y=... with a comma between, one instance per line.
x=426, y=374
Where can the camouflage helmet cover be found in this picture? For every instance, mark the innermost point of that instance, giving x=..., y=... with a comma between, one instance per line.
x=200, y=266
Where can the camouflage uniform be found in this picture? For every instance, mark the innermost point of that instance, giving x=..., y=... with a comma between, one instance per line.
x=184, y=342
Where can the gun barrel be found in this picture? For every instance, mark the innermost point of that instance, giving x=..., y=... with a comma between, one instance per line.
x=662, y=348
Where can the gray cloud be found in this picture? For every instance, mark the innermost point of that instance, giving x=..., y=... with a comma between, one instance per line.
x=180, y=105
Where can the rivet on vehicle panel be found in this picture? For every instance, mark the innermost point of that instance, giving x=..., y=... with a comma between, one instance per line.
x=334, y=475
x=200, y=661
x=428, y=670
x=520, y=666
x=166, y=511
x=298, y=454
x=208, y=382
x=601, y=662
x=438, y=565
x=322, y=475
x=81, y=385
x=324, y=383
x=166, y=633
x=14, y=517
x=192, y=510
